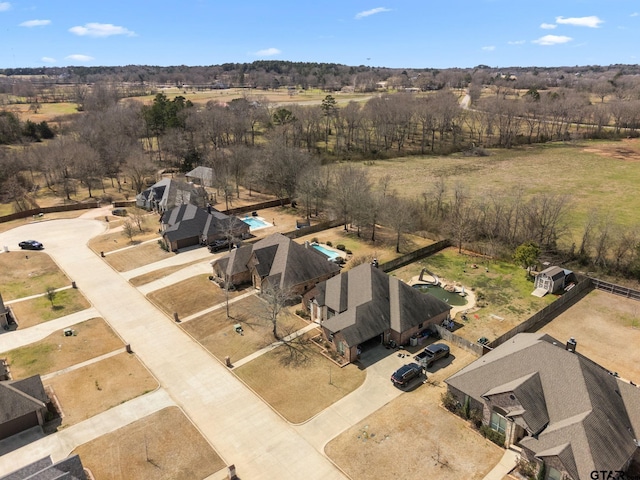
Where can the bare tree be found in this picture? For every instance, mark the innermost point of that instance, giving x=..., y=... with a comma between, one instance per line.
x=400, y=214
x=128, y=229
x=51, y=294
x=276, y=299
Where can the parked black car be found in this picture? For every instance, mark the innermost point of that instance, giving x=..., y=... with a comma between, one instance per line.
x=406, y=375
x=432, y=354
x=219, y=245
x=30, y=245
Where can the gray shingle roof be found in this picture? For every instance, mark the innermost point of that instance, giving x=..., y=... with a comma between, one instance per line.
x=69, y=468
x=584, y=402
x=368, y=302
x=20, y=397
x=187, y=221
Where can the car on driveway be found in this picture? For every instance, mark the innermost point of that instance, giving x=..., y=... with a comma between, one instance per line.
x=407, y=375
x=432, y=354
x=219, y=245
x=30, y=245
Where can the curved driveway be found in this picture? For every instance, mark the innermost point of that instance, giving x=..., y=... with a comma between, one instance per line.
x=244, y=430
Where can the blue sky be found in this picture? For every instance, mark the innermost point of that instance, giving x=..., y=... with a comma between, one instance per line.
x=386, y=33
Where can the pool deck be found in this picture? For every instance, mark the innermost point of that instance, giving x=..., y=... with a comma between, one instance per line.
x=338, y=253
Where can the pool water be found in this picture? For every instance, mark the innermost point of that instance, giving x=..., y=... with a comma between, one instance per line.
x=326, y=251
x=255, y=222
x=453, y=299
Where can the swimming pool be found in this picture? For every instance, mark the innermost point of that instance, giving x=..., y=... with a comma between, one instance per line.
x=453, y=299
x=326, y=251
x=255, y=222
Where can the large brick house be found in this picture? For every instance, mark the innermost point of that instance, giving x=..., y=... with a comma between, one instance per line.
x=365, y=303
x=275, y=261
x=561, y=408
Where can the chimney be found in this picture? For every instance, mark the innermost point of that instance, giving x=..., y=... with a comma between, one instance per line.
x=571, y=345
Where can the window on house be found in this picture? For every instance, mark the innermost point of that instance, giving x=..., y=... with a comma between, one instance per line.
x=554, y=474
x=498, y=422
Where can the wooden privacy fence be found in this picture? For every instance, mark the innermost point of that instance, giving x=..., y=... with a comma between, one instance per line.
x=257, y=206
x=415, y=255
x=301, y=232
x=615, y=289
x=457, y=340
x=58, y=208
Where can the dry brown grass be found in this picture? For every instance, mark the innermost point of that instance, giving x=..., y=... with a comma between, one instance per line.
x=607, y=329
x=403, y=438
x=216, y=333
x=189, y=296
x=137, y=256
x=26, y=273
x=164, y=446
x=38, y=310
x=298, y=391
x=56, y=352
x=116, y=239
x=158, y=274
x=92, y=389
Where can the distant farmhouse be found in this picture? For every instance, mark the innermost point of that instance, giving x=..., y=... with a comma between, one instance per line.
x=278, y=262
x=167, y=194
x=187, y=225
x=564, y=410
x=365, y=303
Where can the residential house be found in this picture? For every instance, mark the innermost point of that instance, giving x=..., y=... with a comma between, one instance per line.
x=365, y=303
x=69, y=468
x=561, y=408
x=167, y=194
x=550, y=280
x=201, y=176
x=187, y=225
x=6, y=317
x=23, y=405
x=275, y=261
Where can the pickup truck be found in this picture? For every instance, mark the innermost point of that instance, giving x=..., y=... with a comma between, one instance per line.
x=432, y=354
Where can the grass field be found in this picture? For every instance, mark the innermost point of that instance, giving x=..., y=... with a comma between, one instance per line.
x=28, y=273
x=162, y=446
x=299, y=391
x=56, y=352
x=38, y=310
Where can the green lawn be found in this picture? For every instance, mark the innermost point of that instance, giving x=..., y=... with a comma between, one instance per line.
x=39, y=310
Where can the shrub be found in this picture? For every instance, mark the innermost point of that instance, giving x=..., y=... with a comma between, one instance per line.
x=303, y=313
x=526, y=468
x=449, y=402
x=163, y=246
x=341, y=247
x=496, y=437
x=348, y=252
x=329, y=244
x=314, y=240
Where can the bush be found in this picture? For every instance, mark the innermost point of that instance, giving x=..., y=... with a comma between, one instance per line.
x=163, y=246
x=526, y=468
x=348, y=252
x=496, y=437
x=329, y=244
x=449, y=402
x=341, y=247
x=314, y=240
x=303, y=313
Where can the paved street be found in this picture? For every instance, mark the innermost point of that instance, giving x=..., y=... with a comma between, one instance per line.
x=244, y=430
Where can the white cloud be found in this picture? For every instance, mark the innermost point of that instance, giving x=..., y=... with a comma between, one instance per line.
x=489, y=48
x=634, y=14
x=516, y=42
x=268, y=52
x=48, y=60
x=552, y=40
x=591, y=22
x=548, y=26
x=79, y=57
x=35, y=23
x=4, y=6
x=101, y=30
x=373, y=11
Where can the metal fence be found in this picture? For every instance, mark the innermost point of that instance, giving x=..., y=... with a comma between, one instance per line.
x=615, y=289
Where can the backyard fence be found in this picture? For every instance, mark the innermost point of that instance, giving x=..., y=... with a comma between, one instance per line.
x=616, y=289
x=583, y=286
x=457, y=340
x=124, y=203
x=58, y=208
x=415, y=255
x=301, y=232
x=257, y=206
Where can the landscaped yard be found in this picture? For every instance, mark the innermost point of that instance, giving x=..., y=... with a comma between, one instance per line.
x=28, y=273
x=116, y=239
x=137, y=256
x=99, y=386
x=299, y=390
x=607, y=330
x=39, y=310
x=189, y=296
x=92, y=338
x=216, y=332
x=502, y=290
x=413, y=437
x=162, y=446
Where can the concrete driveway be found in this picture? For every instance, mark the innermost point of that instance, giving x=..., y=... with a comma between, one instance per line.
x=244, y=430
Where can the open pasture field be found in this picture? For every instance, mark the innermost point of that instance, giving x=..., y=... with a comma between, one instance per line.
x=595, y=175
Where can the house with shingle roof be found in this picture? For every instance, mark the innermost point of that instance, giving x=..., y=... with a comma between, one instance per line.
x=187, y=225
x=69, y=468
x=201, y=176
x=561, y=408
x=23, y=405
x=275, y=261
x=550, y=280
x=365, y=303
x=168, y=193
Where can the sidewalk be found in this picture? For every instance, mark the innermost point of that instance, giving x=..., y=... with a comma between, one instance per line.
x=505, y=465
x=189, y=271
x=218, y=306
x=185, y=256
x=31, y=297
x=83, y=364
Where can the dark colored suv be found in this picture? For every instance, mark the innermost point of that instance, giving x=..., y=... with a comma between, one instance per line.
x=219, y=245
x=432, y=354
x=406, y=375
